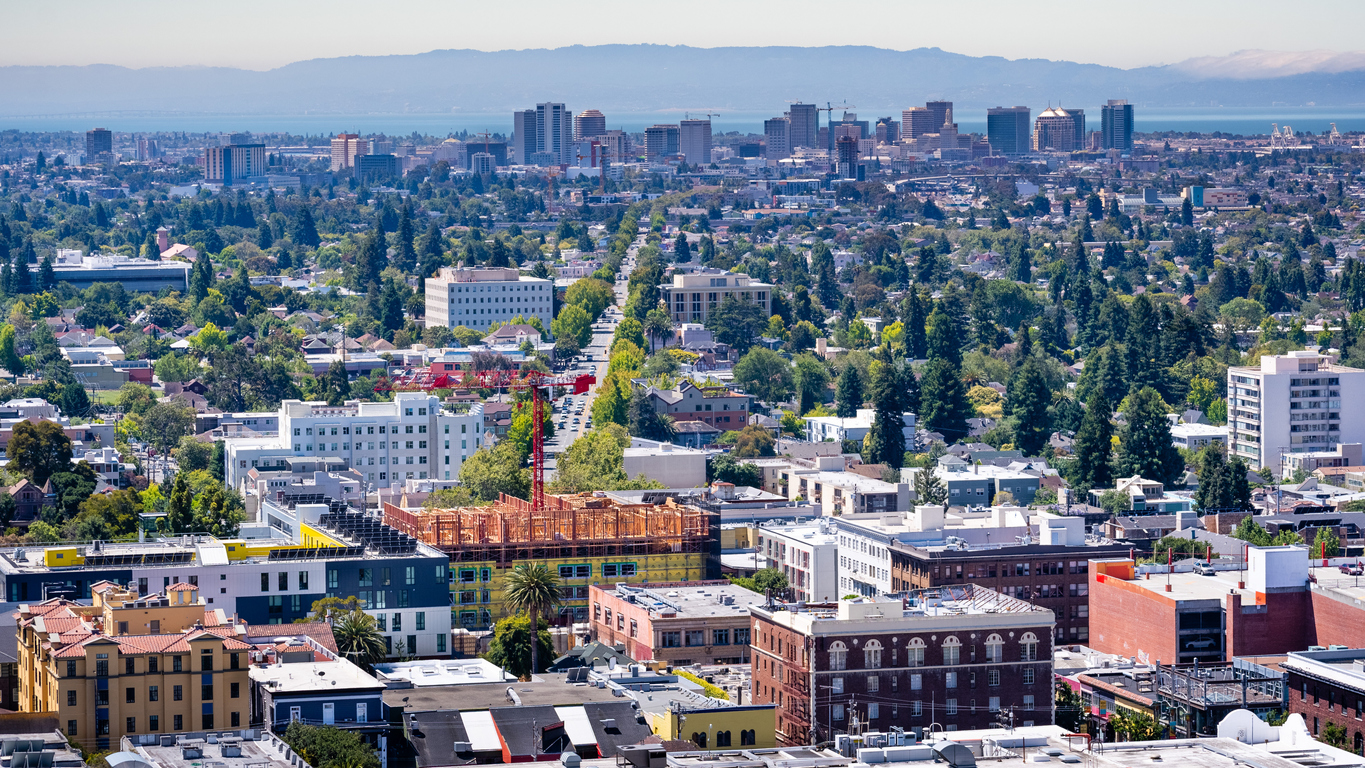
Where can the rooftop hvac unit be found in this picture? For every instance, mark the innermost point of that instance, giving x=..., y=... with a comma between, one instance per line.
x=463, y=747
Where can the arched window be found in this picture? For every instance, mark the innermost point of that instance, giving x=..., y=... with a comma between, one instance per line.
x=1028, y=647
x=995, y=649
x=838, y=655
x=914, y=652
x=872, y=654
x=747, y=738
x=722, y=738
x=699, y=739
x=952, y=650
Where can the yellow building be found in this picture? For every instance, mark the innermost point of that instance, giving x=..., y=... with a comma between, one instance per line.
x=718, y=727
x=128, y=665
x=586, y=539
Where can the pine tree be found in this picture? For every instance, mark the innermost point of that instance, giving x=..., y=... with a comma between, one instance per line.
x=1093, y=444
x=1146, y=447
x=201, y=278
x=1143, y=348
x=433, y=251
x=916, y=340
x=406, y=258
x=1215, y=490
x=23, y=275
x=885, y=441
x=150, y=250
x=47, y=276
x=943, y=395
x=848, y=395
x=682, y=252
x=305, y=232
x=1029, y=398
x=264, y=237
x=372, y=258
x=1021, y=265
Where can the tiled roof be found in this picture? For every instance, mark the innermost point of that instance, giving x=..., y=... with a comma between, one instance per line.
x=180, y=586
x=318, y=631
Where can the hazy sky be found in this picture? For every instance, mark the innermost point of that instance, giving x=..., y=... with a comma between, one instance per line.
x=260, y=34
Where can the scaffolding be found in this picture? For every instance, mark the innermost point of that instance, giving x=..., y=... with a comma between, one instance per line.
x=570, y=526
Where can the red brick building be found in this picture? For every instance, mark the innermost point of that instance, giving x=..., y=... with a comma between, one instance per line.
x=954, y=656
x=678, y=623
x=1329, y=687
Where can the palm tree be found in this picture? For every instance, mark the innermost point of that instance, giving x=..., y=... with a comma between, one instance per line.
x=658, y=325
x=532, y=588
x=358, y=638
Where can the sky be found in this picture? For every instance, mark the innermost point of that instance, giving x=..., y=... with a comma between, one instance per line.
x=262, y=34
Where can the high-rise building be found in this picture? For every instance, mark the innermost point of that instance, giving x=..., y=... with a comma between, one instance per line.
x=99, y=141
x=917, y=121
x=234, y=162
x=589, y=125
x=888, y=131
x=543, y=135
x=616, y=146
x=1059, y=130
x=695, y=141
x=938, y=112
x=523, y=136
x=1116, y=125
x=1008, y=129
x=377, y=168
x=777, y=134
x=661, y=141
x=346, y=147
x=805, y=125
x=1292, y=404
x=847, y=148
x=477, y=298
x=482, y=163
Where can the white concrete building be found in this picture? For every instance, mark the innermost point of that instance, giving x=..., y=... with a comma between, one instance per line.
x=695, y=141
x=832, y=428
x=838, y=492
x=1292, y=404
x=412, y=437
x=478, y=297
x=672, y=465
x=807, y=553
x=1196, y=436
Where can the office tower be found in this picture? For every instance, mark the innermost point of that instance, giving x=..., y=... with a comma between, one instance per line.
x=1008, y=129
x=805, y=125
x=777, y=134
x=98, y=142
x=346, y=147
x=938, y=111
x=846, y=147
x=523, y=136
x=234, y=162
x=482, y=163
x=1116, y=125
x=479, y=297
x=588, y=153
x=376, y=168
x=917, y=121
x=1059, y=130
x=554, y=132
x=615, y=146
x=589, y=125
x=888, y=131
x=1292, y=404
x=661, y=141
x=696, y=141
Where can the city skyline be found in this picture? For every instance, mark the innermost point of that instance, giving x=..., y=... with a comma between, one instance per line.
x=95, y=33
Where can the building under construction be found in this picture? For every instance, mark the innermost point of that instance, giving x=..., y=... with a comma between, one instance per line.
x=586, y=538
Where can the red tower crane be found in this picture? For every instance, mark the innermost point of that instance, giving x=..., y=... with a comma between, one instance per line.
x=425, y=381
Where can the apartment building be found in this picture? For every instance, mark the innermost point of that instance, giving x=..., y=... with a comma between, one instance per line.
x=346, y=147
x=1292, y=404
x=477, y=297
x=717, y=406
x=854, y=428
x=824, y=483
x=303, y=548
x=661, y=141
x=777, y=139
x=543, y=136
x=1327, y=685
x=234, y=162
x=952, y=657
x=695, y=141
x=675, y=623
x=414, y=436
x=692, y=296
x=807, y=553
x=133, y=664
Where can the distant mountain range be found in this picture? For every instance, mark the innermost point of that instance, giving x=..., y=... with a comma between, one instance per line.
x=645, y=78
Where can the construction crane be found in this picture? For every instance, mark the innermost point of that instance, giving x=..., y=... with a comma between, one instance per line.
x=535, y=381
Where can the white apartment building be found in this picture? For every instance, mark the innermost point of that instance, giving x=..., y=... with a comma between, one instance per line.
x=696, y=141
x=837, y=492
x=346, y=147
x=777, y=135
x=1292, y=404
x=480, y=296
x=807, y=553
x=692, y=295
x=411, y=438
x=835, y=429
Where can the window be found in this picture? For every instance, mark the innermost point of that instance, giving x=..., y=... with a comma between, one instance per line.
x=441, y=643
x=153, y=723
x=696, y=637
x=398, y=622
x=130, y=695
x=671, y=639
x=410, y=575
x=950, y=707
x=71, y=698
x=916, y=682
x=1028, y=677
x=718, y=636
x=284, y=581
x=70, y=669
x=742, y=636
x=207, y=720
x=949, y=679
x=178, y=693
x=1028, y=701
x=1028, y=647
x=917, y=708
x=838, y=656
x=837, y=712
x=872, y=655
x=236, y=719
x=153, y=693
x=101, y=665
x=131, y=725
x=993, y=703
x=366, y=577
x=152, y=664
x=206, y=692
x=265, y=582
x=176, y=662
x=874, y=683
x=412, y=643
x=70, y=727
x=234, y=691
x=836, y=685
x=995, y=649
x=421, y=621
x=914, y=653
x=993, y=677
x=873, y=711
x=206, y=661
x=180, y=722
x=331, y=579
x=952, y=650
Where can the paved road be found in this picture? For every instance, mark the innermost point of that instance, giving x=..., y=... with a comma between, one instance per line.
x=603, y=329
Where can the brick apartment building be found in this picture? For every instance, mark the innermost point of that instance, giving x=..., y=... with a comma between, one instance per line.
x=954, y=656
x=1328, y=686
x=1055, y=577
x=677, y=623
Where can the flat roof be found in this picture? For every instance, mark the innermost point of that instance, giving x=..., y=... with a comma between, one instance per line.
x=550, y=689
x=325, y=676
x=253, y=755
x=688, y=602
x=444, y=672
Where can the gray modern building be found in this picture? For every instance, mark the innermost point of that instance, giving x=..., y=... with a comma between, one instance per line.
x=543, y=134
x=805, y=124
x=1116, y=125
x=1009, y=129
x=661, y=141
x=695, y=141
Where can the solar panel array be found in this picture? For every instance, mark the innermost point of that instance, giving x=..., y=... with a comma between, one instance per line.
x=315, y=553
x=370, y=531
x=138, y=558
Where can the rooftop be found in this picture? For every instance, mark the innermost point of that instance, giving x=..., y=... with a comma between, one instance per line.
x=227, y=751
x=552, y=689
x=930, y=607
x=420, y=674
x=685, y=600
x=314, y=676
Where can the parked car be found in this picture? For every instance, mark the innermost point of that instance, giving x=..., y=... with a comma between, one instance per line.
x=1352, y=569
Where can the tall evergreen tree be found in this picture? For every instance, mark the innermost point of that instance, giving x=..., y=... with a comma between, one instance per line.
x=23, y=274
x=885, y=441
x=916, y=340
x=201, y=278
x=372, y=259
x=1029, y=398
x=1094, y=444
x=848, y=395
x=47, y=276
x=1143, y=348
x=943, y=394
x=433, y=251
x=682, y=252
x=305, y=232
x=1145, y=442
x=406, y=257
